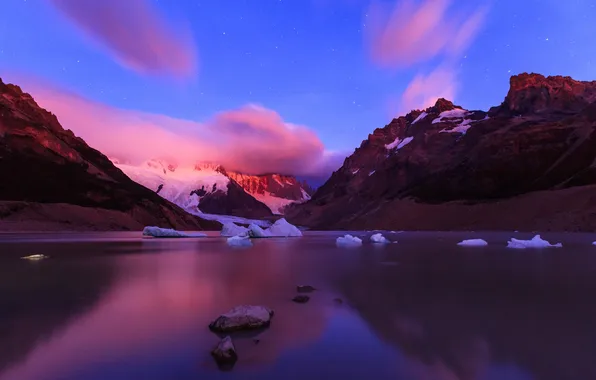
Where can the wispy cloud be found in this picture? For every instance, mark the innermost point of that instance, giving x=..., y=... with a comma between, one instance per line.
x=251, y=139
x=414, y=33
x=135, y=33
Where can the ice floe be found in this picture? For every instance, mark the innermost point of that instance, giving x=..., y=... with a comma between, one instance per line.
x=232, y=229
x=473, y=243
x=239, y=241
x=281, y=228
x=379, y=239
x=168, y=233
x=348, y=241
x=535, y=242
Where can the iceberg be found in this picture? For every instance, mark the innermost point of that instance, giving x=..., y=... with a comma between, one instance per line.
x=379, y=238
x=282, y=228
x=232, y=229
x=348, y=241
x=473, y=243
x=535, y=242
x=168, y=233
x=255, y=231
x=239, y=241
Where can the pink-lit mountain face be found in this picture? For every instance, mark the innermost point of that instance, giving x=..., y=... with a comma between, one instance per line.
x=450, y=168
x=53, y=179
x=208, y=188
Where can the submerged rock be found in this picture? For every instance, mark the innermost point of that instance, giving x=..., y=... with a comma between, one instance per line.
x=225, y=353
x=245, y=317
x=338, y=301
x=305, y=289
x=301, y=298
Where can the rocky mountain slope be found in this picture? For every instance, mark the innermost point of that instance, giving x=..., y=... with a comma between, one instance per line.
x=450, y=168
x=52, y=179
x=209, y=188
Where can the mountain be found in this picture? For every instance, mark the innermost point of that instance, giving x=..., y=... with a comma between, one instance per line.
x=52, y=179
x=275, y=190
x=529, y=163
x=202, y=188
x=209, y=188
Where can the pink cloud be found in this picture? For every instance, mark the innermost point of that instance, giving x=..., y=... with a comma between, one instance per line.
x=415, y=33
x=424, y=90
x=250, y=139
x=135, y=33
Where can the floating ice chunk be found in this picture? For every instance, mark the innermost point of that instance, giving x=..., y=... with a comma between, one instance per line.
x=473, y=243
x=232, y=229
x=168, y=233
x=420, y=117
x=379, y=238
x=35, y=257
x=535, y=242
x=348, y=241
x=255, y=231
x=282, y=228
x=594, y=243
x=239, y=241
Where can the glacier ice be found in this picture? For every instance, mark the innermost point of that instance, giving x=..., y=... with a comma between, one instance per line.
x=282, y=228
x=348, y=241
x=168, y=233
x=379, y=238
x=473, y=243
x=535, y=242
x=239, y=241
x=232, y=229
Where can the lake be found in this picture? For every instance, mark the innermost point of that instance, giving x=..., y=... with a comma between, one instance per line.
x=117, y=306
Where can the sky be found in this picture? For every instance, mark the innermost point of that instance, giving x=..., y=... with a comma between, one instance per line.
x=290, y=86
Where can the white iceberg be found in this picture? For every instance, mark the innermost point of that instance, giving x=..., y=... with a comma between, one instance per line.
x=168, y=233
x=239, y=241
x=379, y=238
x=348, y=241
x=473, y=243
x=535, y=242
x=232, y=229
x=255, y=231
x=594, y=243
x=282, y=228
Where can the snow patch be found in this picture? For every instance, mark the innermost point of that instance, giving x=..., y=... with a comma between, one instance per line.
x=239, y=241
x=420, y=117
x=274, y=203
x=371, y=173
x=452, y=114
x=168, y=233
x=397, y=144
x=232, y=229
x=535, y=242
x=355, y=171
x=348, y=241
x=460, y=128
x=473, y=243
x=379, y=238
x=223, y=219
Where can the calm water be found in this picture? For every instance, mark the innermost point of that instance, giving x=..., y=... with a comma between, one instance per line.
x=115, y=306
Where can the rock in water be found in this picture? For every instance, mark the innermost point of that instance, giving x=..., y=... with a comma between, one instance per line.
x=243, y=317
x=301, y=299
x=225, y=353
x=305, y=289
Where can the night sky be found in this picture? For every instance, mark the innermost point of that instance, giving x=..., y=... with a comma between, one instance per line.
x=296, y=83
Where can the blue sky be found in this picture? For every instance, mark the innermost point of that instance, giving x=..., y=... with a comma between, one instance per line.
x=307, y=60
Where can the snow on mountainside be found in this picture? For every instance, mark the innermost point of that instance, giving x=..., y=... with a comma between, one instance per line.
x=275, y=190
x=446, y=167
x=205, y=188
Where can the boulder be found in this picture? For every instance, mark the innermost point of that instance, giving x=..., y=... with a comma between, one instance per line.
x=225, y=352
x=244, y=317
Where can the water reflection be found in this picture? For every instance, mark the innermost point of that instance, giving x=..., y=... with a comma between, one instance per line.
x=140, y=309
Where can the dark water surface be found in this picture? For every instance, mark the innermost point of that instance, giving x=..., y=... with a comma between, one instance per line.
x=115, y=306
